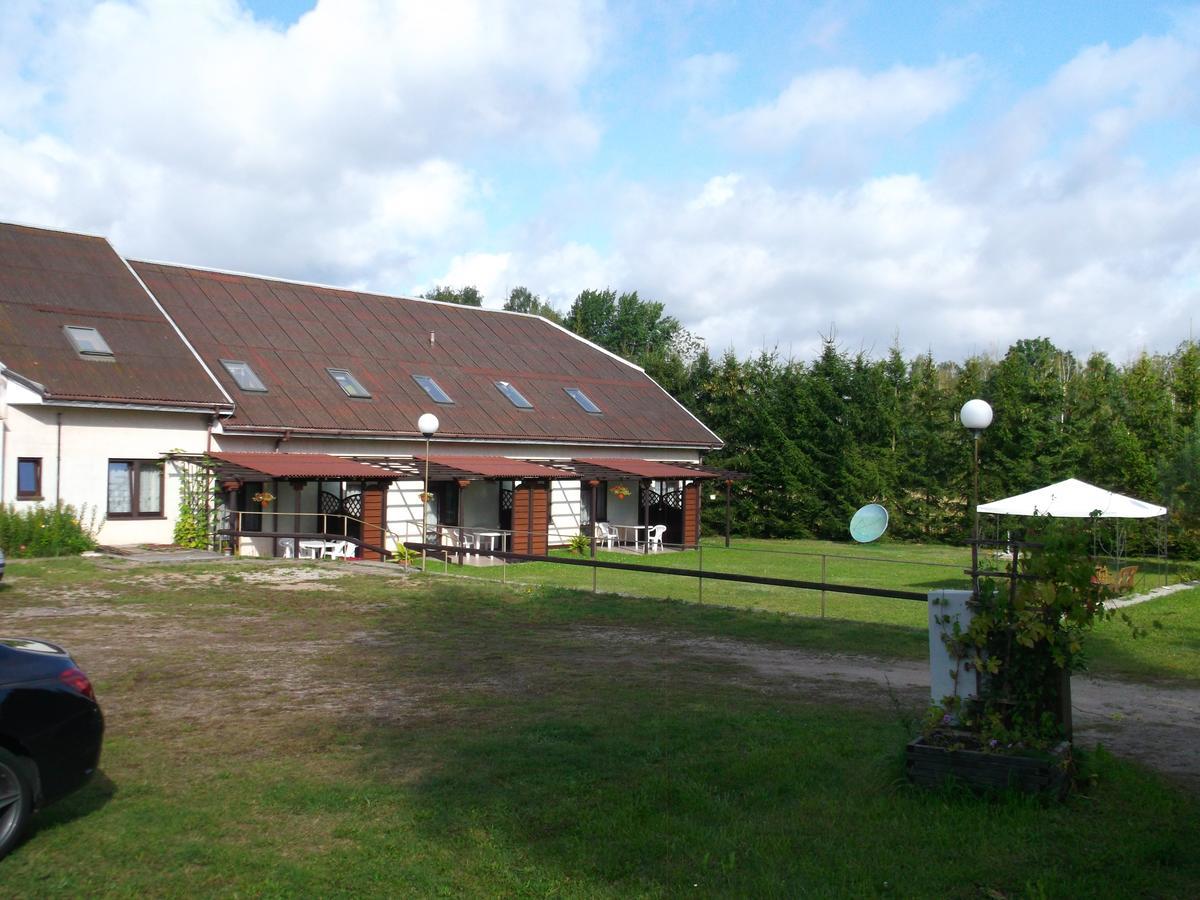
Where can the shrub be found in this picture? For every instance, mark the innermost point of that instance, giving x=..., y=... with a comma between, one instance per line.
x=1026, y=639
x=580, y=544
x=46, y=530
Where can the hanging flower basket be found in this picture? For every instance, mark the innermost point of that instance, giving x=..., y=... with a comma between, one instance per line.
x=620, y=492
x=262, y=498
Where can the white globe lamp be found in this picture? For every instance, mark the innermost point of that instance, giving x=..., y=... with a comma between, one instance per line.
x=976, y=415
x=428, y=425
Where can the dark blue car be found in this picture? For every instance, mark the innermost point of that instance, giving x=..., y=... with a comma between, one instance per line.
x=51, y=729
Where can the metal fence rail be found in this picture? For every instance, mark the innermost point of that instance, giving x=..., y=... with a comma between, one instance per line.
x=689, y=573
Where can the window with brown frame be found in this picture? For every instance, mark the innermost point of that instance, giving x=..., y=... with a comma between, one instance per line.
x=135, y=489
x=29, y=478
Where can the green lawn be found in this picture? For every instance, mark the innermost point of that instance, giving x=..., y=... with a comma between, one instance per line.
x=364, y=735
x=889, y=627
x=902, y=566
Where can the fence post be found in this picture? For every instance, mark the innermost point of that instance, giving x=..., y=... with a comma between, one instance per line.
x=822, y=585
x=595, y=570
x=700, y=571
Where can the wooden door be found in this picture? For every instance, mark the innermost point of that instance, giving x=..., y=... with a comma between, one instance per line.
x=374, y=516
x=691, y=515
x=531, y=518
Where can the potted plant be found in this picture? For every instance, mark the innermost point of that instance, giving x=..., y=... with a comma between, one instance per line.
x=1023, y=641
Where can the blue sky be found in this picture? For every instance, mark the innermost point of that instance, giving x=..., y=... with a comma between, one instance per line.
x=953, y=175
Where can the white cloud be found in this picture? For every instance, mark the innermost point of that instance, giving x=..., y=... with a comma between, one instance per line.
x=844, y=100
x=1062, y=232
x=486, y=271
x=749, y=264
x=1076, y=126
x=337, y=148
x=353, y=147
x=1114, y=266
x=557, y=275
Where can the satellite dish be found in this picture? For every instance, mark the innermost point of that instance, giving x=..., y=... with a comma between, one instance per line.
x=869, y=523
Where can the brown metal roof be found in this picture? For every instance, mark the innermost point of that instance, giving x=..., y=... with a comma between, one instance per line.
x=291, y=333
x=642, y=468
x=49, y=279
x=303, y=466
x=495, y=467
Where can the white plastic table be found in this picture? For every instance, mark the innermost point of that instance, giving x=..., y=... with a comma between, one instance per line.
x=625, y=530
x=491, y=539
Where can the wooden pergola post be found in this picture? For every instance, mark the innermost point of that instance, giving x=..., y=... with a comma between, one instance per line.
x=231, y=489
x=593, y=485
x=728, y=486
x=644, y=499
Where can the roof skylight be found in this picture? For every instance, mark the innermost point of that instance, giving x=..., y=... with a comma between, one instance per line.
x=348, y=383
x=515, y=397
x=433, y=389
x=584, y=401
x=244, y=376
x=87, y=342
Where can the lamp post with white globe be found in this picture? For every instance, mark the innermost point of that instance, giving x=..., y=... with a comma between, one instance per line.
x=975, y=415
x=428, y=426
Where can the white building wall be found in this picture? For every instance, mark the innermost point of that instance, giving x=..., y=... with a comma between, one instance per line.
x=92, y=436
x=89, y=439
x=566, y=511
x=404, y=512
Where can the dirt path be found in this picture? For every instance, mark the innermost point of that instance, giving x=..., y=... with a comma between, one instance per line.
x=1158, y=726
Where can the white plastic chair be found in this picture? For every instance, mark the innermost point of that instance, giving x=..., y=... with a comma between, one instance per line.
x=606, y=533
x=655, y=536
x=450, y=538
x=342, y=550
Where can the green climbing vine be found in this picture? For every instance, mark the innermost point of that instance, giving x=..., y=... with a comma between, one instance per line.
x=1026, y=640
x=196, y=519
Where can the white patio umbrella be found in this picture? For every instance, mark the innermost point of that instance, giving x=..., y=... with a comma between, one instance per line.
x=1074, y=499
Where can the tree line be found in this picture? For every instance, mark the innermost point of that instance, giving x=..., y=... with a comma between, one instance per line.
x=816, y=440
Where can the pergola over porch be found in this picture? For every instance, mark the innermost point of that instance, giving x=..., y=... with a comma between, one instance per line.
x=233, y=469
x=530, y=525
x=529, y=494
x=593, y=470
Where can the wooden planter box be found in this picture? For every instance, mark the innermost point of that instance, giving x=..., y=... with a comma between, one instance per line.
x=1045, y=774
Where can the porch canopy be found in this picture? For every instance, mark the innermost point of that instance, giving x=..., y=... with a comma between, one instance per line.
x=297, y=467
x=616, y=468
x=476, y=467
x=1074, y=499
